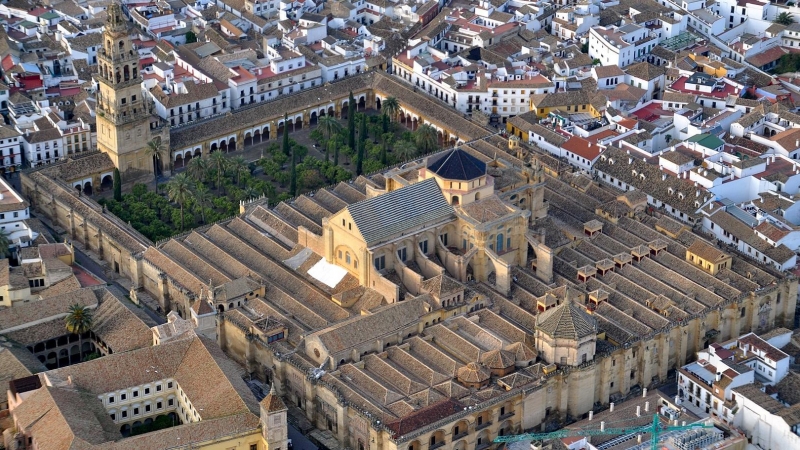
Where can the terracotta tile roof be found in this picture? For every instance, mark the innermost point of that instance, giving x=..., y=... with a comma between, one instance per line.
x=486, y=209
x=706, y=251
x=771, y=231
x=125, y=236
x=273, y=402
x=17, y=362
x=194, y=363
x=20, y=316
x=788, y=389
x=424, y=416
x=61, y=419
x=645, y=71
x=64, y=286
x=360, y=329
x=582, y=147
x=119, y=326
x=740, y=230
x=756, y=342
x=754, y=393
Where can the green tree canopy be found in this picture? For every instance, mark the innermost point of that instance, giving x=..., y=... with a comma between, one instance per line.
x=390, y=107
x=426, y=138
x=79, y=319
x=784, y=18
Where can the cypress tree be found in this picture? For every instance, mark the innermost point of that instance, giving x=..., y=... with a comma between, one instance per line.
x=360, y=157
x=385, y=122
x=362, y=143
x=335, y=155
x=351, y=122
x=383, y=153
x=117, y=186
x=286, y=148
x=293, y=176
x=362, y=127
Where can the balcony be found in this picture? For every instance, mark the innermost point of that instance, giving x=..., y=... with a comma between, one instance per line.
x=482, y=426
x=436, y=445
x=508, y=414
x=458, y=436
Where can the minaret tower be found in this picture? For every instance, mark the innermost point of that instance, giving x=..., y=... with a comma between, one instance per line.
x=123, y=115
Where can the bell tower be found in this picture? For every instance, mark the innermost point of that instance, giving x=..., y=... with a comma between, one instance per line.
x=123, y=114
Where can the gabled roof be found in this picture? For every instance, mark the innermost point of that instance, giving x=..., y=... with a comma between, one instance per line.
x=707, y=140
x=457, y=165
x=380, y=217
x=567, y=321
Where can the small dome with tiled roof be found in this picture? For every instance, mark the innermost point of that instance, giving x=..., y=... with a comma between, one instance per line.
x=456, y=165
x=569, y=320
x=522, y=353
x=473, y=373
x=497, y=359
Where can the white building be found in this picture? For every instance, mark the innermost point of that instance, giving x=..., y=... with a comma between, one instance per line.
x=620, y=46
x=770, y=421
x=707, y=385
x=14, y=211
x=10, y=149
x=180, y=98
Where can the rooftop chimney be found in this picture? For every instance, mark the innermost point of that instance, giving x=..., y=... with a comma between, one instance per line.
x=591, y=415
x=644, y=392
x=611, y=407
x=646, y=406
x=638, y=411
x=603, y=425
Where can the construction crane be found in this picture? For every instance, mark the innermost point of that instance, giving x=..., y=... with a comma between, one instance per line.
x=655, y=429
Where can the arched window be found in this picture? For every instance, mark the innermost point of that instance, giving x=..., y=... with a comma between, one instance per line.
x=121, y=45
x=347, y=257
x=500, y=242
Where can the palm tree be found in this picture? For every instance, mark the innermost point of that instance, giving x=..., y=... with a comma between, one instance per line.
x=405, y=150
x=239, y=167
x=179, y=190
x=203, y=197
x=5, y=244
x=218, y=162
x=155, y=149
x=390, y=107
x=250, y=193
x=427, y=138
x=78, y=321
x=784, y=18
x=198, y=169
x=329, y=125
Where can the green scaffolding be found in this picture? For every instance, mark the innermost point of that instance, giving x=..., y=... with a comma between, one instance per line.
x=680, y=41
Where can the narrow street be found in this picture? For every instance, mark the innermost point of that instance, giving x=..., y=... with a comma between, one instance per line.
x=90, y=265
